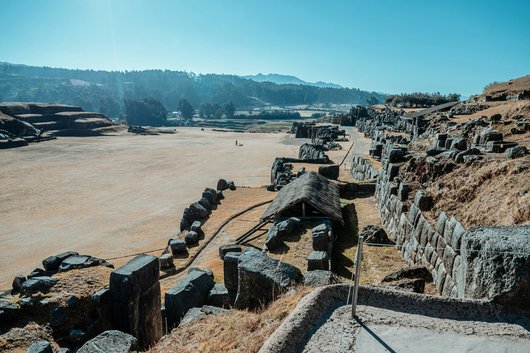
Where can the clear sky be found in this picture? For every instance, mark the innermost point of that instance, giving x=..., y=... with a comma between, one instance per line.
x=388, y=46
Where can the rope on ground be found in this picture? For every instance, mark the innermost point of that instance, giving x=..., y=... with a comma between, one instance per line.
x=205, y=244
x=347, y=153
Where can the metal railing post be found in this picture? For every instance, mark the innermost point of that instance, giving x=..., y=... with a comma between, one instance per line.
x=358, y=258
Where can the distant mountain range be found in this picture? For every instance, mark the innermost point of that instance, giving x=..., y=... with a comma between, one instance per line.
x=289, y=80
x=106, y=91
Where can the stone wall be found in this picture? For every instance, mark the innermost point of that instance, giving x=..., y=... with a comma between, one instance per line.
x=362, y=169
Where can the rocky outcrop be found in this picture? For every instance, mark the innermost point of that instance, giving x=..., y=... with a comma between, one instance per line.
x=32, y=119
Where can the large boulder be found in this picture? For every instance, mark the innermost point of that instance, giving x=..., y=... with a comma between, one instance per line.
x=230, y=262
x=191, y=292
x=373, y=234
x=516, y=152
x=329, y=171
x=261, y=279
x=111, y=341
x=497, y=264
x=321, y=237
x=409, y=273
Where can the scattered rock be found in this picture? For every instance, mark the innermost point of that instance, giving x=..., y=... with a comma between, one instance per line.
x=220, y=297
x=222, y=185
x=17, y=282
x=112, y=341
x=317, y=278
x=191, y=238
x=516, y=152
x=224, y=249
x=178, y=247
x=409, y=273
x=38, y=284
x=230, y=262
x=166, y=261
x=318, y=260
x=195, y=314
x=373, y=234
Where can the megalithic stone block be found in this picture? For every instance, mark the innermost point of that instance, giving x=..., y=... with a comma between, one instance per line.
x=135, y=289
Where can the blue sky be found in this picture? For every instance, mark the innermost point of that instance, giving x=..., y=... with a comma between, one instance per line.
x=386, y=46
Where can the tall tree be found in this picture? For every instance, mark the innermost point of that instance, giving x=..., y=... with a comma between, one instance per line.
x=147, y=111
x=229, y=109
x=186, y=109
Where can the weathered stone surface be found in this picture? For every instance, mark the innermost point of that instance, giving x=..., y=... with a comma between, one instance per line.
x=396, y=155
x=197, y=228
x=288, y=226
x=321, y=236
x=40, y=347
x=403, y=191
x=458, y=144
x=410, y=273
x=111, y=341
x=208, y=271
x=17, y=282
x=178, y=247
x=516, y=152
x=166, y=261
x=191, y=292
x=329, y=171
x=220, y=297
x=262, y=278
x=135, y=289
x=318, y=278
x=222, y=185
x=38, y=284
x=226, y=248
x=440, y=224
x=191, y=238
x=497, y=260
x=375, y=235
x=38, y=272
x=318, y=260
x=231, y=260
x=195, y=314
x=52, y=263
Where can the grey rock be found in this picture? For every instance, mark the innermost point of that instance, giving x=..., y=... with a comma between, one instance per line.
x=220, y=297
x=210, y=195
x=40, y=347
x=222, y=185
x=52, y=263
x=415, y=285
x=396, y=155
x=458, y=144
x=375, y=235
x=318, y=260
x=231, y=186
x=403, y=191
x=226, y=248
x=135, y=289
x=497, y=260
x=191, y=238
x=197, y=228
x=230, y=262
x=178, y=247
x=112, y=341
x=409, y=273
x=318, y=278
x=38, y=272
x=208, y=271
x=321, y=237
x=329, y=171
x=191, y=292
x=166, y=261
x=262, y=278
x=288, y=226
x=38, y=284
x=516, y=152
x=195, y=314
x=206, y=204
x=17, y=282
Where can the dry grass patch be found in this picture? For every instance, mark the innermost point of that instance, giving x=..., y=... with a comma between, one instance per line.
x=18, y=339
x=236, y=331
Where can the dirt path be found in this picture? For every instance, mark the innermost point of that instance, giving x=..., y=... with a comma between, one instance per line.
x=111, y=196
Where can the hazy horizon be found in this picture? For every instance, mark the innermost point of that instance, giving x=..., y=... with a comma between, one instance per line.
x=381, y=46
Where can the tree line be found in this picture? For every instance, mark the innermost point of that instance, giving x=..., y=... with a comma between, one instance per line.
x=107, y=91
x=420, y=99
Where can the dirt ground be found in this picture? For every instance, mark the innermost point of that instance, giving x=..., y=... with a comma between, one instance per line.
x=118, y=195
